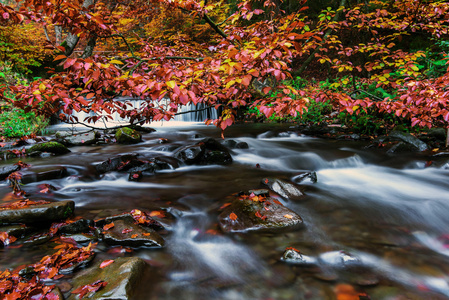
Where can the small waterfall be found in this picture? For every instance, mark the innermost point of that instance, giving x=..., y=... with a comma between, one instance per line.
x=186, y=113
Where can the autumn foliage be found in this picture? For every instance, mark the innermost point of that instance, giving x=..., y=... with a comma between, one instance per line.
x=228, y=56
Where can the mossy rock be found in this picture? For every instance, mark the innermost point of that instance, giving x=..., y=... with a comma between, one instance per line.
x=51, y=147
x=128, y=136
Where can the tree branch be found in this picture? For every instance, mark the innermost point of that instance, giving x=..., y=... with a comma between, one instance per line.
x=326, y=35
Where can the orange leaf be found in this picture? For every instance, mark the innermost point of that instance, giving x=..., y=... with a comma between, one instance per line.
x=108, y=226
x=106, y=263
x=146, y=233
x=233, y=216
x=288, y=216
x=134, y=236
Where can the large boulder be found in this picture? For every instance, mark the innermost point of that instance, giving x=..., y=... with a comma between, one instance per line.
x=29, y=212
x=122, y=277
x=128, y=136
x=206, y=152
x=257, y=213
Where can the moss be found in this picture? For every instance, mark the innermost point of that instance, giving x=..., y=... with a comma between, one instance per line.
x=52, y=147
x=127, y=136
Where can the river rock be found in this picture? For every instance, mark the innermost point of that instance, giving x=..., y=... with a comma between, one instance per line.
x=284, y=189
x=247, y=214
x=49, y=212
x=43, y=174
x=293, y=256
x=68, y=139
x=74, y=227
x=128, y=136
x=51, y=147
x=126, y=233
x=7, y=170
x=122, y=276
x=17, y=230
x=206, y=152
x=115, y=163
x=407, y=138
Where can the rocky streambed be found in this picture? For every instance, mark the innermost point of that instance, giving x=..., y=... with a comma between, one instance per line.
x=266, y=213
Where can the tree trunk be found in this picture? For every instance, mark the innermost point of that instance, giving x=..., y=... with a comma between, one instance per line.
x=72, y=40
x=90, y=47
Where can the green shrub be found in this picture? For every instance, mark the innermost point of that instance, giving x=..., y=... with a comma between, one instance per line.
x=15, y=122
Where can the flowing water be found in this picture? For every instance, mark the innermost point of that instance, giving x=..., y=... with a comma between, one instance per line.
x=389, y=213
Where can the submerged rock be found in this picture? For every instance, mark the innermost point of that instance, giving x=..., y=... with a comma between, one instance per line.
x=51, y=147
x=36, y=213
x=340, y=259
x=127, y=136
x=41, y=174
x=284, y=189
x=257, y=213
x=127, y=233
x=122, y=276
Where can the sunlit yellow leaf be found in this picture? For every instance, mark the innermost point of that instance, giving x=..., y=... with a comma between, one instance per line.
x=171, y=84
x=117, y=62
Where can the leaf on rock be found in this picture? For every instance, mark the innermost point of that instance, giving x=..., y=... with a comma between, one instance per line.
x=233, y=216
x=108, y=226
x=106, y=263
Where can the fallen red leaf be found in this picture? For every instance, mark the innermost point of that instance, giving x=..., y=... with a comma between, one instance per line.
x=126, y=230
x=106, y=263
x=233, y=216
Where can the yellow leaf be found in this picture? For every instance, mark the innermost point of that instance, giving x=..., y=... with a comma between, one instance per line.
x=355, y=107
x=322, y=60
x=171, y=84
x=42, y=87
x=117, y=62
x=36, y=92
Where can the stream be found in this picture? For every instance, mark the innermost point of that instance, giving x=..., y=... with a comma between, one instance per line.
x=390, y=212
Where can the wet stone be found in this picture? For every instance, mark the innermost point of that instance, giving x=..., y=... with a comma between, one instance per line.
x=113, y=164
x=340, y=259
x=81, y=237
x=78, y=226
x=51, y=147
x=293, y=256
x=37, y=239
x=207, y=152
x=87, y=138
x=17, y=230
x=126, y=233
x=123, y=277
x=49, y=212
x=284, y=189
x=39, y=174
x=127, y=136
x=5, y=171
x=410, y=140
x=246, y=215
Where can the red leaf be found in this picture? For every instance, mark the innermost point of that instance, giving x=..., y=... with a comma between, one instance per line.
x=233, y=216
x=106, y=263
x=126, y=230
